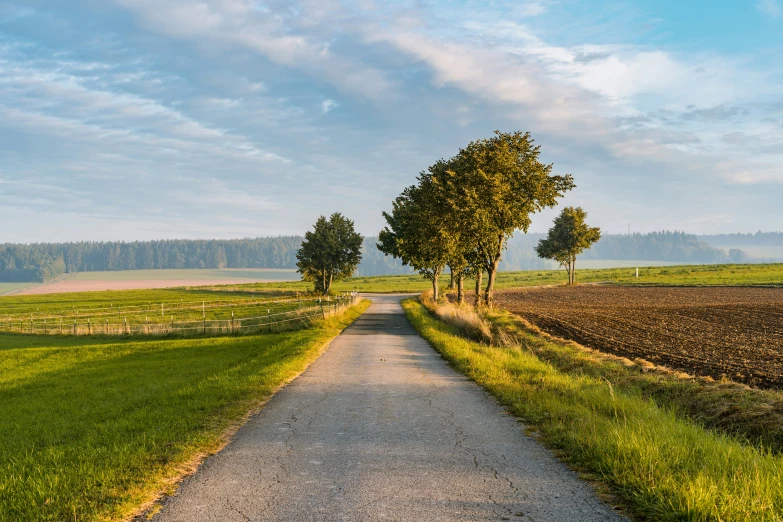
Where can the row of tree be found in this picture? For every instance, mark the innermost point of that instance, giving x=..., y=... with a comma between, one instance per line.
x=463, y=210
x=44, y=261
x=271, y=252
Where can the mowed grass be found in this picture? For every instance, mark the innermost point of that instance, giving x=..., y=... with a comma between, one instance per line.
x=152, y=298
x=661, y=465
x=92, y=428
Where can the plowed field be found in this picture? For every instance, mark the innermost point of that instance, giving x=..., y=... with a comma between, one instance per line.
x=735, y=333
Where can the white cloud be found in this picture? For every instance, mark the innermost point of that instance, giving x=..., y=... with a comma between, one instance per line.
x=51, y=100
x=240, y=24
x=769, y=7
x=328, y=105
x=533, y=8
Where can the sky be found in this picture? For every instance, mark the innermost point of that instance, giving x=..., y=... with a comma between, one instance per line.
x=152, y=119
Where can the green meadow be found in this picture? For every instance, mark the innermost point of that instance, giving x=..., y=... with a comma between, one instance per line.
x=94, y=427
x=763, y=274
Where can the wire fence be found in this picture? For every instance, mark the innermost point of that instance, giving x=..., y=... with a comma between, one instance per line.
x=299, y=313
x=156, y=309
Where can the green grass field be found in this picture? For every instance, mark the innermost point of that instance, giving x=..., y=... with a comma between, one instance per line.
x=655, y=275
x=623, y=263
x=152, y=298
x=92, y=428
x=660, y=464
x=261, y=274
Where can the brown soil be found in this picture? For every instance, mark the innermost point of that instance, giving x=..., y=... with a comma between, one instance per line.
x=734, y=333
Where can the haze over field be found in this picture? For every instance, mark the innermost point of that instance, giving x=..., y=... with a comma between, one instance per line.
x=140, y=119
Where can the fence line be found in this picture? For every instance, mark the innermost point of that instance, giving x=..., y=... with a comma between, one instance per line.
x=269, y=322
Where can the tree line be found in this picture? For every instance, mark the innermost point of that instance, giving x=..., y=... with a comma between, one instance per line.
x=45, y=261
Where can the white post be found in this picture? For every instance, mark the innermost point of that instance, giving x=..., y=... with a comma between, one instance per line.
x=637, y=273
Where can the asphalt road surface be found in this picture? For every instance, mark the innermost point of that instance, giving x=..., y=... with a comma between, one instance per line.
x=380, y=428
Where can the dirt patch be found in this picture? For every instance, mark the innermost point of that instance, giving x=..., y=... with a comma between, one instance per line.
x=734, y=333
x=94, y=286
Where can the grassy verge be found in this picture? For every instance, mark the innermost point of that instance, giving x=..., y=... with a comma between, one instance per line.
x=92, y=429
x=662, y=465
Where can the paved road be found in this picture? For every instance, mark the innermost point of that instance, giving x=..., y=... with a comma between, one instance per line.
x=380, y=428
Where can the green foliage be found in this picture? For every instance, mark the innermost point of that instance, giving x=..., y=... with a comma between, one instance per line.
x=496, y=185
x=464, y=210
x=417, y=230
x=569, y=237
x=330, y=252
x=664, y=467
x=272, y=252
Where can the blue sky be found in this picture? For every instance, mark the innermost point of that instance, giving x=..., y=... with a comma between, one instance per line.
x=143, y=119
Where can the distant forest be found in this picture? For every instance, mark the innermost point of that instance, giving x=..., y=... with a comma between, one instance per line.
x=46, y=261
x=752, y=239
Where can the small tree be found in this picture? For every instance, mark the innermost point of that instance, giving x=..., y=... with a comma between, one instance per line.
x=416, y=231
x=330, y=252
x=569, y=236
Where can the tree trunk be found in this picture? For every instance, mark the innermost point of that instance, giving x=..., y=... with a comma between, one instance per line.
x=461, y=289
x=573, y=271
x=435, y=279
x=492, y=273
x=479, y=277
x=451, y=281
x=492, y=270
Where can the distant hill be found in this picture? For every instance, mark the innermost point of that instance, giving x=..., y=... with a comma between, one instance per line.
x=45, y=261
x=758, y=247
x=751, y=239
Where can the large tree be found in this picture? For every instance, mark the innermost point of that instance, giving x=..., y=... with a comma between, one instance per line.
x=416, y=231
x=568, y=237
x=494, y=186
x=330, y=252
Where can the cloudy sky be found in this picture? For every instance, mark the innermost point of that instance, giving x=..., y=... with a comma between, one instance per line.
x=142, y=119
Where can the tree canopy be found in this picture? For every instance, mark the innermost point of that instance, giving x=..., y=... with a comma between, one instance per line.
x=416, y=230
x=330, y=252
x=464, y=209
x=569, y=236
